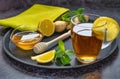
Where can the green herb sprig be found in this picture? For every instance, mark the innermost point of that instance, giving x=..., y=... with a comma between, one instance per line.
x=66, y=17
x=79, y=12
x=62, y=55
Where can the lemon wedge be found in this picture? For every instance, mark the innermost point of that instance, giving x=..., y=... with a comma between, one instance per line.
x=45, y=57
x=110, y=24
x=46, y=27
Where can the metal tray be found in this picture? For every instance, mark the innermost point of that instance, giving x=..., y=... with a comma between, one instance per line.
x=22, y=56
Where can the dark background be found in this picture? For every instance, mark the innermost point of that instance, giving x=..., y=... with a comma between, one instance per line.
x=107, y=69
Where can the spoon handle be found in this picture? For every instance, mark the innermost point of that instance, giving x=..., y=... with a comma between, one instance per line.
x=61, y=37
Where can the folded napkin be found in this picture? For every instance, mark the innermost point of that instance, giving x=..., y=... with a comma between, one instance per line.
x=33, y=16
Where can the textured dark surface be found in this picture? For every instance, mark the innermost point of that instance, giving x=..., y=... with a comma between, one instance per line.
x=107, y=69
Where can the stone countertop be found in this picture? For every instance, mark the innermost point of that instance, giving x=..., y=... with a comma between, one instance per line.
x=107, y=69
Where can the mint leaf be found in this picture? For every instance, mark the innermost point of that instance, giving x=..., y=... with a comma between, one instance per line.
x=58, y=61
x=82, y=18
x=69, y=52
x=75, y=12
x=80, y=10
x=66, y=17
x=61, y=46
x=65, y=59
x=58, y=54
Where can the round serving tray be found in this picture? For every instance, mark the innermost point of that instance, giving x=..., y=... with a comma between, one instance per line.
x=22, y=56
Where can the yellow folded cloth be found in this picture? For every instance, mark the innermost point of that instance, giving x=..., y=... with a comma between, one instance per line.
x=33, y=16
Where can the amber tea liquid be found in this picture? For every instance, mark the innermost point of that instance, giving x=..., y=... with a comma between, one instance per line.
x=85, y=44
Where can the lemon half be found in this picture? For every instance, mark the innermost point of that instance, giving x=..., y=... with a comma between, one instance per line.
x=106, y=22
x=46, y=27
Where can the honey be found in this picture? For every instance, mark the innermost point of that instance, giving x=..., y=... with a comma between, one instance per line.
x=26, y=40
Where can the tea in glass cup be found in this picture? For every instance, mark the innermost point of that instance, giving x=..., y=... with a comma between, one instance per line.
x=85, y=44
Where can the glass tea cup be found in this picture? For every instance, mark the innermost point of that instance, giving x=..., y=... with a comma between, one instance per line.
x=25, y=39
x=85, y=43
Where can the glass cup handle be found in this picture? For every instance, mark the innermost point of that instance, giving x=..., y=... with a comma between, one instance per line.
x=105, y=34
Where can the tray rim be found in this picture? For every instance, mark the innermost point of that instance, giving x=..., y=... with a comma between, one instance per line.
x=47, y=67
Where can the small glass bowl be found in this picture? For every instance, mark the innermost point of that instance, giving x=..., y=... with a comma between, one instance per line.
x=88, y=17
x=25, y=39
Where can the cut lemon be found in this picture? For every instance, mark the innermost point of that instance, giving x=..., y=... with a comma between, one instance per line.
x=46, y=27
x=110, y=24
x=45, y=57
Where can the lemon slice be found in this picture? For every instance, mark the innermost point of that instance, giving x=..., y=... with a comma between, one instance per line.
x=45, y=57
x=105, y=22
x=46, y=27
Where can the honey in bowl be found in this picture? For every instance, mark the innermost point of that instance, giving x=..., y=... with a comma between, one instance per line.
x=26, y=39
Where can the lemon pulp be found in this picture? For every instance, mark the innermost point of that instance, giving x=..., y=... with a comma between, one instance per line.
x=46, y=27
